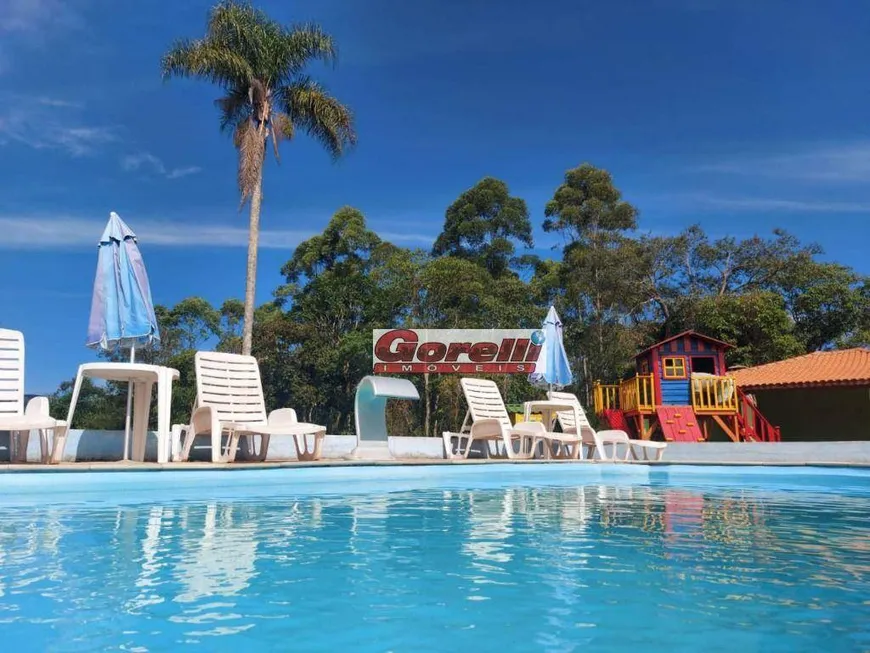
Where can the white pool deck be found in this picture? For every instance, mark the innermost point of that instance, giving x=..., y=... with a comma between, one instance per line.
x=102, y=450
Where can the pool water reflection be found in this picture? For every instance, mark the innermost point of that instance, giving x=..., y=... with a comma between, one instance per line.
x=630, y=567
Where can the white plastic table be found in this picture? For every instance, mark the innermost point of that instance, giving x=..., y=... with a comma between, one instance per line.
x=548, y=409
x=143, y=379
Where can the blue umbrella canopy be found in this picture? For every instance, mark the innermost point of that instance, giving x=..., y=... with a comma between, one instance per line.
x=122, y=312
x=552, y=368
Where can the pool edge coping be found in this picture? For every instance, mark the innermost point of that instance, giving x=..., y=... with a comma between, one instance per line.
x=114, y=467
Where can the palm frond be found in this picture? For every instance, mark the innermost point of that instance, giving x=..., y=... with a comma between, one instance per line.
x=234, y=107
x=274, y=52
x=281, y=129
x=238, y=26
x=203, y=58
x=322, y=116
x=298, y=46
x=251, y=144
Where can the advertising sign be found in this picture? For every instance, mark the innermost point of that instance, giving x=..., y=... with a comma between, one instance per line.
x=456, y=351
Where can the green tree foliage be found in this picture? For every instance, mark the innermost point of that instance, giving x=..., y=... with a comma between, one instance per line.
x=616, y=290
x=97, y=407
x=757, y=322
x=825, y=300
x=860, y=335
x=588, y=203
x=338, y=285
x=483, y=226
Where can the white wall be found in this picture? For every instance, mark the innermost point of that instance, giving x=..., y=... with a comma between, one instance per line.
x=109, y=445
x=88, y=445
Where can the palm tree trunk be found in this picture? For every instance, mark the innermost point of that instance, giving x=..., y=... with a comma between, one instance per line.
x=251, y=283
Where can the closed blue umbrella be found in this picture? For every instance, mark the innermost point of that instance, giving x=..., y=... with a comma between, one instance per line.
x=552, y=366
x=122, y=313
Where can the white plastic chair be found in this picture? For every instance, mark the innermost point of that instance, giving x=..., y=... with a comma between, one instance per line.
x=15, y=417
x=489, y=421
x=229, y=401
x=576, y=421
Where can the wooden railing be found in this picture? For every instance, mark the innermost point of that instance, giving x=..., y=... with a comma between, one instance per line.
x=714, y=394
x=605, y=397
x=755, y=425
x=637, y=394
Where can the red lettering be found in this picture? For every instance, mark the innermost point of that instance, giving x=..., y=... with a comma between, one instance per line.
x=504, y=352
x=520, y=349
x=454, y=368
x=399, y=351
x=455, y=349
x=483, y=352
x=431, y=352
x=404, y=350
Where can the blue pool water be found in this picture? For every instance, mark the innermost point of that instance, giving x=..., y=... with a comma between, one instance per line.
x=502, y=558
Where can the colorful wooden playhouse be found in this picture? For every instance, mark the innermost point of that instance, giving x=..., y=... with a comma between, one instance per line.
x=681, y=392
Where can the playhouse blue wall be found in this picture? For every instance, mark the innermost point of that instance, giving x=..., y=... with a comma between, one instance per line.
x=675, y=393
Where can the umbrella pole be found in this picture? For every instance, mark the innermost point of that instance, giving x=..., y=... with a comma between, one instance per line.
x=129, y=408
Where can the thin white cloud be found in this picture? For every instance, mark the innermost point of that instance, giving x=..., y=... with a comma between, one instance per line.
x=177, y=173
x=50, y=123
x=56, y=102
x=34, y=17
x=145, y=161
x=717, y=202
x=32, y=23
x=397, y=237
x=848, y=163
x=40, y=232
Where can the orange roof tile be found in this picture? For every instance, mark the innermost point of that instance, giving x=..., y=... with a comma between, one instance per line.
x=821, y=368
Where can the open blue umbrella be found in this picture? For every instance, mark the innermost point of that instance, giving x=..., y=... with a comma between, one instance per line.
x=122, y=313
x=552, y=366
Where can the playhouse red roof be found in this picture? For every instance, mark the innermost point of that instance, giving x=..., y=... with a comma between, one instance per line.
x=821, y=368
x=693, y=334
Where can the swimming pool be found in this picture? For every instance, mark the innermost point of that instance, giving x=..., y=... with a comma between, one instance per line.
x=455, y=558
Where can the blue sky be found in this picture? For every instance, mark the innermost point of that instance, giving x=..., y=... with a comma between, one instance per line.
x=740, y=115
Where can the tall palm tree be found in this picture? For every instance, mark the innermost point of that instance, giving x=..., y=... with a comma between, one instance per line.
x=260, y=66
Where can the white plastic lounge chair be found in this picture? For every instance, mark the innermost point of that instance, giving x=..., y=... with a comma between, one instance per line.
x=597, y=441
x=489, y=421
x=15, y=417
x=229, y=401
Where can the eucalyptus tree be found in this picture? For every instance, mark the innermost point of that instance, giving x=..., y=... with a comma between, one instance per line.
x=597, y=279
x=484, y=224
x=260, y=65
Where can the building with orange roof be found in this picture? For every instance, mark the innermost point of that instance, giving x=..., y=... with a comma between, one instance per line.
x=820, y=396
